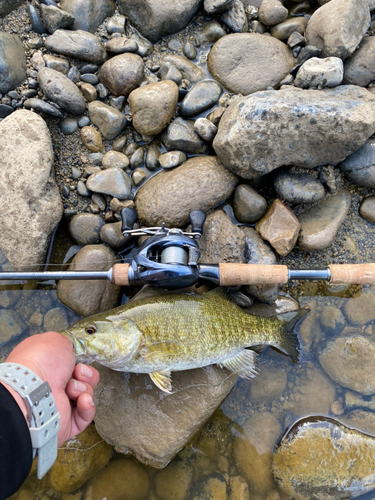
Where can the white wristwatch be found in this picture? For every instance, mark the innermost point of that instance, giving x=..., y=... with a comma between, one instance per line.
x=42, y=416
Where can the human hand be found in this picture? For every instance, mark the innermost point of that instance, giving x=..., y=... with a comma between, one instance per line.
x=50, y=355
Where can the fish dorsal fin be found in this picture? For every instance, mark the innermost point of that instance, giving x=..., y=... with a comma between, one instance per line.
x=244, y=364
x=220, y=291
x=162, y=379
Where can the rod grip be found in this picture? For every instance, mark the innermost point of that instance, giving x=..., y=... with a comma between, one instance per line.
x=356, y=274
x=120, y=274
x=252, y=274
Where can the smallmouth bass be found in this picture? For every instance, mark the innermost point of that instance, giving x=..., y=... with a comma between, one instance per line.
x=175, y=332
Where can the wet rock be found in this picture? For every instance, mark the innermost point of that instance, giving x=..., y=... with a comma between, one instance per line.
x=216, y=114
x=359, y=68
x=112, y=235
x=280, y=227
x=115, y=159
x=173, y=482
x=122, y=479
x=361, y=310
x=235, y=18
x=94, y=296
x=198, y=184
x=300, y=8
x=78, y=460
x=57, y=63
x=92, y=139
x=252, y=451
x=320, y=224
x=239, y=488
x=11, y=325
x=338, y=27
x=217, y=6
x=122, y=74
x=121, y=46
x=268, y=385
x=251, y=147
x=152, y=157
x=137, y=158
x=55, y=320
x=188, y=70
x=59, y=89
x=116, y=25
x=42, y=106
x=172, y=159
x=36, y=22
x=88, y=14
x=201, y=97
x=111, y=181
x=248, y=205
x=153, y=106
x=155, y=20
x=298, y=188
x=205, y=129
x=247, y=62
x=359, y=167
x=26, y=155
x=78, y=45
x=7, y=6
x=211, y=33
x=332, y=320
x=363, y=421
x=317, y=72
x=272, y=12
x=168, y=71
x=138, y=176
x=180, y=135
x=8, y=298
x=55, y=18
x=89, y=92
x=84, y=228
x=12, y=62
x=318, y=458
x=68, y=125
x=367, y=209
x=221, y=241
x=282, y=31
x=109, y=120
x=210, y=486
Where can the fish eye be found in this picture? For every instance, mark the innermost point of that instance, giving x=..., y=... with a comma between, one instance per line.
x=90, y=329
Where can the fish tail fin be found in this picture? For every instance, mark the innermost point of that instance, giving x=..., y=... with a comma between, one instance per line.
x=290, y=340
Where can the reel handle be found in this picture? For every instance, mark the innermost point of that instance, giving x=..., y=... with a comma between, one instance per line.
x=128, y=216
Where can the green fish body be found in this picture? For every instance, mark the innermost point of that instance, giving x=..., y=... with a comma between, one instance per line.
x=174, y=332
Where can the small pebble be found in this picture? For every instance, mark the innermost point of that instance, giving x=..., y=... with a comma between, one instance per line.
x=68, y=125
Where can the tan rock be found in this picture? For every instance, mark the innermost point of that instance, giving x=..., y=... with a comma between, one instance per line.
x=153, y=106
x=280, y=227
x=239, y=489
x=272, y=12
x=115, y=159
x=361, y=310
x=122, y=74
x=268, y=385
x=89, y=92
x=92, y=139
x=173, y=482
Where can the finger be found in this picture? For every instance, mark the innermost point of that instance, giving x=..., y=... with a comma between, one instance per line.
x=75, y=388
x=83, y=414
x=86, y=374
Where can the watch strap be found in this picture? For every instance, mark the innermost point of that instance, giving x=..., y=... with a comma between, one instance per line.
x=44, y=420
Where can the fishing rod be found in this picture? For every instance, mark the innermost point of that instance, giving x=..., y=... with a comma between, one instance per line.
x=168, y=258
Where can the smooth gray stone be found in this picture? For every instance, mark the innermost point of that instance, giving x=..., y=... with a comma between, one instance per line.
x=57, y=63
x=235, y=18
x=68, y=125
x=85, y=228
x=7, y=6
x=116, y=25
x=367, y=209
x=12, y=62
x=190, y=51
x=77, y=44
x=11, y=325
x=89, y=78
x=111, y=181
x=112, y=235
x=42, y=107
x=5, y=110
x=36, y=22
x=109, y=120
x=359, y=167
x=298, y=188
x=73, y=74
x=121, y=45
x=88, y=14
x=248, y=205
x=89, y=68
x=55, y=18
x=359, y=69
x=201, y=97
x=217, y=6
x=180, y=135
x=59, y=89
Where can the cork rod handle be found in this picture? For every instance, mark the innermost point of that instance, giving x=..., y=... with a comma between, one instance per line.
x=356, y=274
x=252, y=274
x=120, y=274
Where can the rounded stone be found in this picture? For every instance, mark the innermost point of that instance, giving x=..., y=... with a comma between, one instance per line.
x=153, y=106
x=121, y=45
x=248, y=205
x=361, y=310
x=173, y=482
x=109, y=120
x=190, y=51
x=332, y=320
x=201, y=97
x=359, y=167
x=12, y=62
x=122, y=74
x=360, y=67
x=298, y=188
x=68, y=125
x=115, y=159
x=85, y=228
x=111, y=181
x=138, y=176
x=172, y=159
x=316, y=72
x=205, y=129
x=283, y=30
x=112, y=235
x=55, y=320
x=91, y=139
x=272, y=12
x=367, y=209
x=247, y=62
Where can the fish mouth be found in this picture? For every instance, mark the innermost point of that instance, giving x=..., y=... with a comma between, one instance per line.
x=78, y=344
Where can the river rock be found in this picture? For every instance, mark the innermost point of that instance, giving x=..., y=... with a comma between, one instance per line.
x=332, y=320
x=92, y=139
x=359, y=69
x=361, y=310
x=221, y=240
x=90, y=297
x=172, y=159
x=248, y=205
x=201, y=97
x=55, y=320
x=268, y=385
x=88, y=14
x=174, y=482
x=109, y=120
x=180, y=135
x=298, y=127
x=153, y=106
x=28, y=191
x=247, y=62
x=320, y=224
x=359, y=167
x=112, y=235
x=57, y=63
x=317, y=72
x=321, y=458
x=122, y=74
x=280, y=227
x=7, y=6
x=217, y=6
x=42, y=106
x=55, y=18
x=205, y=129
x=11, y=326
x=78, y=45
x=154, y=19
x=121, y=46
x=12, y=62
x=235, y=18
x=282, y=31
x=298, y=188
x=188, y=70
x=59, y=89
x=84, y=228
x=367, y=209
x=338, y=27
x=113, y=181
x=272, y=12
x=115, y=159
x=198, y=184
x=210, y=486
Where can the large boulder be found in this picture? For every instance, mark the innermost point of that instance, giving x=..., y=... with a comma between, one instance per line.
x=305, y=128
x=359, y=69
x=78, y=45
x=30, y=203
x=7, y=6
x=157, y=18
x=12, y=62
x=88, y=14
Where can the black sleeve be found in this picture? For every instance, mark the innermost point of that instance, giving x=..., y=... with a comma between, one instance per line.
x=15, y=445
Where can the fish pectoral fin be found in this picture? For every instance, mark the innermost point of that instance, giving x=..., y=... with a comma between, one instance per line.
x=162, y=379
x=244, y=364
x=159, y=351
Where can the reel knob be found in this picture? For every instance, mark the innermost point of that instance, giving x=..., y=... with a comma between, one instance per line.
x=197, y=218
x=128, y=216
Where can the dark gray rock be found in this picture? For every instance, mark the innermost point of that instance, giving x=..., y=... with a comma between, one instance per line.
x=188, y=70
x=111, y=181
x=42, y=107
x=304, y=128
x=7, y=6
x=55, y=18
x=205, y=129
x=235, y=18
x=109, y=120
x=248, y=205
x=78, y=45
x=298, y=188
x=36, y=23
x=111, y=235
x=122, y=74
x=85, y=228
x=155, y=19
x=217, y=6
x=5, y=110
x=12, y=62
x=88, y=14
x=359, y=69
x=201, y=97
x=68, y=125
x=121, y=45
x=359, y=167
x=180, y=135
x=59, y=89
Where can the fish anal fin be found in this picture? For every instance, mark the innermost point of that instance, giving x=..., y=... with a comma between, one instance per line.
x=162, y=380
x=244, y=364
